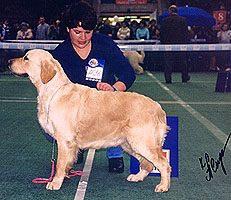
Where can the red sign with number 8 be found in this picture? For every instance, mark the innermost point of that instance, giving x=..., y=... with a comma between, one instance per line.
x=220, y=17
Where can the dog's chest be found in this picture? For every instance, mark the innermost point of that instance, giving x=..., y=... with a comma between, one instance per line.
x=43, y=114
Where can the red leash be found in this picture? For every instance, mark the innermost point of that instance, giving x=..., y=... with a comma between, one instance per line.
x=45, y=180
x=75, y=173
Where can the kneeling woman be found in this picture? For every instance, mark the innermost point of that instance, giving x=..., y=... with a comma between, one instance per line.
x=93, y=60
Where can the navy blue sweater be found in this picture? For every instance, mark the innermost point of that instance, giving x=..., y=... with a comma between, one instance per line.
x=103, y=48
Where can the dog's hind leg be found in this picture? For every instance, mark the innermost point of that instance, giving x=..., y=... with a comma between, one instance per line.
x=155, y=155
x=145, y=168
x=150, y=149
x=165, y=170
x=145, y=165
x=66, y=157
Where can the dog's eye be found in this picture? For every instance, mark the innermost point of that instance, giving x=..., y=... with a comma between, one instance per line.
x=26, y=58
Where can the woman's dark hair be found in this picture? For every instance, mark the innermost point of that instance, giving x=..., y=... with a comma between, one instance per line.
x=80, y=14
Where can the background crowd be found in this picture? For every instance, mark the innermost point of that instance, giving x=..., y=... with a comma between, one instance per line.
x=42, y=30
x=24, y=31
x=126, y=30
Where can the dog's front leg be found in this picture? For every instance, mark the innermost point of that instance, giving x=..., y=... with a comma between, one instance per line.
x=60, y=167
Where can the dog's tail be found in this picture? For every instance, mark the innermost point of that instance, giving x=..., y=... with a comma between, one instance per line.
x=163, y=130
x=161, y=126
x=141, y=57
x=143, y=54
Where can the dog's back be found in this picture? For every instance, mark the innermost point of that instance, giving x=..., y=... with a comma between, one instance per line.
x=103, y=112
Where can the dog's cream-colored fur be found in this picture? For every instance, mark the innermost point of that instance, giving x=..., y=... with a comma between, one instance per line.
x=134, y=59
x=81, y=117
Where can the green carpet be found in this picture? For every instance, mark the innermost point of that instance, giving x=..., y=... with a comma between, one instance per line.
x=25, y=153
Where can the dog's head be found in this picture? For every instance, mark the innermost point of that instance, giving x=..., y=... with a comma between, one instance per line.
x=38, y=65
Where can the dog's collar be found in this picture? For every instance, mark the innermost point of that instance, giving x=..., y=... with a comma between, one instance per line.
x=48, y=107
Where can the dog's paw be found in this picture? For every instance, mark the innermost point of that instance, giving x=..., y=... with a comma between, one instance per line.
x=134, y=178
x=161, y=188
x=53, y=186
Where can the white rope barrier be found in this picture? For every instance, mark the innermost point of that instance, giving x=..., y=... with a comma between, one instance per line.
x=51, y=45
x=59, y=41
x=116, y=41
x=35, y=41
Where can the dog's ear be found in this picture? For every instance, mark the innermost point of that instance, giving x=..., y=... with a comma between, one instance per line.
x=47, y=71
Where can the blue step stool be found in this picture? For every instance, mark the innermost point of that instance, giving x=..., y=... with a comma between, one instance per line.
x=223, y=82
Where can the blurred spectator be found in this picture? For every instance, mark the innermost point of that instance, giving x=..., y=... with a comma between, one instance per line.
x=224, y=36
x=14, y=30
x=99, y=24
x=174, y=30
x=210, y=36
x=205, y=60
x=2, y=31
x=157, y=34
x=133, y=28
x=54, y=31
x=124, y=32
x=154, y=31
x=197, y=32
x=115, y=30
x=6, y=27
x=106, y=29
x=42, y=30
x=25, y=33
x=34, y=26
x=142, y=32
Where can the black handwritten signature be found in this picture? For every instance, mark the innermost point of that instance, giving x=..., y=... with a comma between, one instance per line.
x=211, y=165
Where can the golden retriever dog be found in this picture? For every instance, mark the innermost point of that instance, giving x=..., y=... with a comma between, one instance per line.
x=79, y=117
x=134, y=59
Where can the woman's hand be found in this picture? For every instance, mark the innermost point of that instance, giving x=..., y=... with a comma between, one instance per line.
x=104, y=86
x=119, y=86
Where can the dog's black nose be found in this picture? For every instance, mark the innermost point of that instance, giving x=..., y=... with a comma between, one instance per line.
x=10, y=61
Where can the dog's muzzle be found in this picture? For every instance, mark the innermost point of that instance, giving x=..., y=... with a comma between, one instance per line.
x=10, y=62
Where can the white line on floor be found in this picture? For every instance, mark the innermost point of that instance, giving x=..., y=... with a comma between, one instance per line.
x=197, y=103
x=151, y=81
x=18, y=100
x=80, y=192
x=219, y=134
x=14, y=80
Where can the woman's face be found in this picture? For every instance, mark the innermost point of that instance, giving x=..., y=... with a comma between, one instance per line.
x=80, y=38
